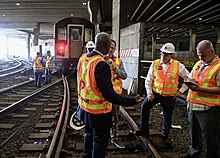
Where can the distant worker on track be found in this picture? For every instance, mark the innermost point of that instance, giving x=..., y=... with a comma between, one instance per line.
x=49, y=67
x=38, y=66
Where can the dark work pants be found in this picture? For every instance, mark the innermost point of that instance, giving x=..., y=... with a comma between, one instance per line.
x=205, y=127
x=37, y=78
x=95, y=142
x=115, y=111
x=48, y=75
x=167, y=104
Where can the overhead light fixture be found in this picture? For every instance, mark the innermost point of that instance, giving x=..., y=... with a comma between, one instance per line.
x=71, y=14
x=18, y=4
x=3, y=15
x=177, y=7
x=84, y=3
x=200, y=19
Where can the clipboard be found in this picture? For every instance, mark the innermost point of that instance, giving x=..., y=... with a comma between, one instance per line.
x=191, y=83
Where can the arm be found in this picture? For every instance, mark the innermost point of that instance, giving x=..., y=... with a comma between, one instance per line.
x=121, y=71
x=211, y=90
x=184, y=73
x=103, y=80
x=149, y=83
x=149, y=80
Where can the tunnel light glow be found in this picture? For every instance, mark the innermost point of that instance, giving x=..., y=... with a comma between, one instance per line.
x=18, y=4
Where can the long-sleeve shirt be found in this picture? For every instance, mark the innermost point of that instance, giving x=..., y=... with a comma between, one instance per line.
x=183, y=72
x=121, y=70
x=103, y=80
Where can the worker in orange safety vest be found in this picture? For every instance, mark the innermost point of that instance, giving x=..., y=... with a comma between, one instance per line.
x=95, y=98
x=204, y=102
x=118, y=74
x=162, y=87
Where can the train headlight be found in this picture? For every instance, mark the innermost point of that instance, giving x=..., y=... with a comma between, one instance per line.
x=60, y=49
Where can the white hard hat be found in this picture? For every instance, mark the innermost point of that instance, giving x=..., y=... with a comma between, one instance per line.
x=168, y=48
x=90, y=44
x=75, y=122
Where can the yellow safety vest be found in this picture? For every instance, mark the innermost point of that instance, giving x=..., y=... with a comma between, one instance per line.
x=37, y=63
x=117, y=83
x=205, y=79
x=166, y=84
x=89, y=97
x=48, y=62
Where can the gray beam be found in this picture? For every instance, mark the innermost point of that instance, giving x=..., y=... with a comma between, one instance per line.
x=192, y=44
x=168, y=25
x=18, y=25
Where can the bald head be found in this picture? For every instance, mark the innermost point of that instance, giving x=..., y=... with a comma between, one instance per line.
x=203, y=45
x=205, y=51
x=102, y=42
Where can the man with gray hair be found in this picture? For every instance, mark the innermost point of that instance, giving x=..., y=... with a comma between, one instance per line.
x=96, y=95
x=204, y=102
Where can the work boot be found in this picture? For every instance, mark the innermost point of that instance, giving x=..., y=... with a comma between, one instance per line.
x=141, y=133
x=117, y=143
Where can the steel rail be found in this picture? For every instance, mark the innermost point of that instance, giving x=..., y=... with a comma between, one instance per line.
x=53, y=144
x=145, y=142
x=66, y=120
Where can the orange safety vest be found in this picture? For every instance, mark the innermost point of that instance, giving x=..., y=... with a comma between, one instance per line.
x=117, y=83
x=48, y=62
x=37, y=63
x=166, y=84
x=205, y=79
x=90, y=98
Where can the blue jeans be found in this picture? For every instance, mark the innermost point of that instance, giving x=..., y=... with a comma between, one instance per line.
x=167, y=104
x=37, y=78
x=205, y=127
x=95, y=142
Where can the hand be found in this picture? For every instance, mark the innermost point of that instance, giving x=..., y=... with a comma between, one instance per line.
x=178, y=94
x=115, y=76
x=192, y=84
x=110, y=63
x=139, y=98
x=150, y=97
x=194, y=87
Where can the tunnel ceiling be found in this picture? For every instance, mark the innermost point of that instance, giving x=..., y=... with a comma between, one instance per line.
x=174, y=18
x=164, y=19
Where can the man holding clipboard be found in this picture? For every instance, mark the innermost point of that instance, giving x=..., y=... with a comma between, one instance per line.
x=204, y=102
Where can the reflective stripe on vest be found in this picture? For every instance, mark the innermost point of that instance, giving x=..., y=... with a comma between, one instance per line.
x=167, y=84
x=48, y=62
x=90, y=98
x=117, y=83
x=205, y=79
x=37, y=64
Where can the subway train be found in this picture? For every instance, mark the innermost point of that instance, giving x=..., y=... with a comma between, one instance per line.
x=71, y=35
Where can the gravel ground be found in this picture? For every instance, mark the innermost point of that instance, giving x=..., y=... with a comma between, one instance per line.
x=179, y=137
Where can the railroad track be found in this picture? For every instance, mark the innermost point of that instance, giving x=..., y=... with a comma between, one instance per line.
x=27, y=125
x=16, y=74
x=40, y=127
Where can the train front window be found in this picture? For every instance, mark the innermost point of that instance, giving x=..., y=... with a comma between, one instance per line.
x=75, y=34
x=62, y=34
